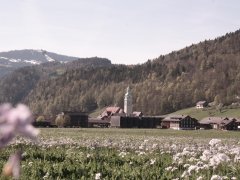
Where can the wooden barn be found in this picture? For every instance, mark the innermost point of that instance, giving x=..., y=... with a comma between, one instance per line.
x=96, y=123
x=135, y=122
x=180, y=122
x=77, y=119
x=42, y=124
x=223, y=123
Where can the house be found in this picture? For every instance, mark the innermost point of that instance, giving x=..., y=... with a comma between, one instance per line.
x=179, y=122
x=223, y=123
x=110, y=111
x=201, y=104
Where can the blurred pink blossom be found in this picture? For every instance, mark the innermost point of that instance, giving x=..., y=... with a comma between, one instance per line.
x=15, y=121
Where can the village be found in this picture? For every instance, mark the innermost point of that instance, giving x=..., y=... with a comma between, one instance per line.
x=116, y=117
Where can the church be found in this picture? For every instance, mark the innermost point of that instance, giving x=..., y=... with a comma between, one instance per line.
x=118, y=111
x=126, y=117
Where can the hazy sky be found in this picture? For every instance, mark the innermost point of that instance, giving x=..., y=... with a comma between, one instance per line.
x=125, y=31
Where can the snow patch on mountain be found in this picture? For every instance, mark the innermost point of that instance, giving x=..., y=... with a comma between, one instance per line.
x=4, y=58
x=49, y=58
x=32, y=62
x=15, y=60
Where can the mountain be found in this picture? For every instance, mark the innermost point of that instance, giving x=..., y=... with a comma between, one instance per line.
x=12, y=60
x=209, y=70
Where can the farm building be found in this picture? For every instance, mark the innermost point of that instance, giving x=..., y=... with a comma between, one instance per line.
x=96, y=122
x=135, y=122
x=77, y=119
x=223, y=123
x=201, y=104
x=180, y=122
x=42, y=124
x=110, y=111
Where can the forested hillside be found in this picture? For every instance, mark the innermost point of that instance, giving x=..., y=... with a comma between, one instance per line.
x=16, y=86
x=208, y=71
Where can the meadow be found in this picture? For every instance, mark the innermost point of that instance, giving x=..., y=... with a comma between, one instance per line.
x=128, y=154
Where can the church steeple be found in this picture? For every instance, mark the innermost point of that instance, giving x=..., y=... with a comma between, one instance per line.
x=128, y=102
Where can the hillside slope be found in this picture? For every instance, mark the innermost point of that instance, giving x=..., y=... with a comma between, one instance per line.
x=208, y=71
x=207, y=112
x=16, y=86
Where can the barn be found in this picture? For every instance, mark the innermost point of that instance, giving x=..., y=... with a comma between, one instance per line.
x=223, y=123
x=180, y=122
x=135, y=122
x=77, y=119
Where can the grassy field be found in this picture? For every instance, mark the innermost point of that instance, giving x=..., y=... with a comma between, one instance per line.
x=206, y=112
x=115, y=132
x=122, y=154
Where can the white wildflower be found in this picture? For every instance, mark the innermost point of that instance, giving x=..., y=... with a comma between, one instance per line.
x=237, y=158
x=152, y=161
x=141, y=153
x=88, y=155
x=214, y=142
x=191, y=168
x=200, y=178
x=174, y=169
x=168, y=168
x=154, y=146
x=216, y=177
x=98, y=176
x=46, y=176
x=122, y=154
x=218, y=158
x=184, y=174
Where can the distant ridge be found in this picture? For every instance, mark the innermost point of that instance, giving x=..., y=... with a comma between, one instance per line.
x=11, y=60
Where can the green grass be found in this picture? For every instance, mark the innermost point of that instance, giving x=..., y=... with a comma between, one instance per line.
x=77, y=133
x=120, y=154
x=206, y=112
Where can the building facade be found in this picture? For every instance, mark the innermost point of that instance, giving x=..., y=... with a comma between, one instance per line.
x=180, y=122
x=222, y=123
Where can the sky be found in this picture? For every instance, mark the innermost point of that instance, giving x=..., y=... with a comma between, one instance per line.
x=124, y=31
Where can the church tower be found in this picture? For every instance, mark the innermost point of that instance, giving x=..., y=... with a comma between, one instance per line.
x=128, y=102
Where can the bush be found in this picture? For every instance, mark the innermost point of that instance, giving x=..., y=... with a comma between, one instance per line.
x=40, y=119
x=63, y=120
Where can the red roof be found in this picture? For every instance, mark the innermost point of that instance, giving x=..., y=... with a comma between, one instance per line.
x=113, y=109
x=109, y=111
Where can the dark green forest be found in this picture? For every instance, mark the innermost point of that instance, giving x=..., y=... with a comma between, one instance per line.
x=209, y=70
